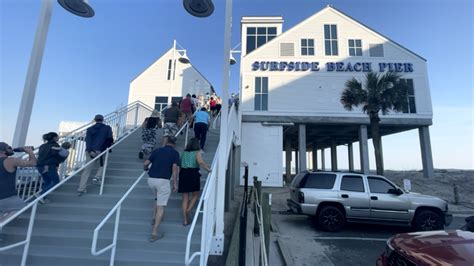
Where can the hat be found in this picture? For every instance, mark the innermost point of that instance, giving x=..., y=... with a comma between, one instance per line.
x=4, y=146
x=98, y=118
x=172, y=139
x=155, y=113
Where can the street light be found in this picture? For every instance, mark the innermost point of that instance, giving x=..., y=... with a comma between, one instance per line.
x=232, y=60
x=199, y=8
x=77, y=7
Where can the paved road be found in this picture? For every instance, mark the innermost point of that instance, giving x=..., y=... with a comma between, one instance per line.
x=357, y=244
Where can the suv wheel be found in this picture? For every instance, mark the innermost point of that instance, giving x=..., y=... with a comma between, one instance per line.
x=331, y=219
x=427, y=220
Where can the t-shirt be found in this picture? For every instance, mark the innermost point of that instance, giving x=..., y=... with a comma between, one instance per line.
x=171, y=115
x=186, y=105
x=162, y=160
x=201, y=117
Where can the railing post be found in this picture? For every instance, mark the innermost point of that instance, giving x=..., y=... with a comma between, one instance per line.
x=243, y=221
x=28, y=234
x=257, y=187
x=117, y=220
x=136, y=115
x=266, y=219
x=186, y=136
x=104, y=169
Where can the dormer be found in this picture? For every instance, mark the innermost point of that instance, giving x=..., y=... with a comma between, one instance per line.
x=256, y=31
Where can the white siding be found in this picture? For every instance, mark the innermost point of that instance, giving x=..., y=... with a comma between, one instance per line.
x=307, y=93
x=154, y=81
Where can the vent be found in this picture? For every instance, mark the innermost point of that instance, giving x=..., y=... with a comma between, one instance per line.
x=376, y=50
x=287, y=49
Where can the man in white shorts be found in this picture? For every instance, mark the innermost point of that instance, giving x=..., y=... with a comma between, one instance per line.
x=164, y=166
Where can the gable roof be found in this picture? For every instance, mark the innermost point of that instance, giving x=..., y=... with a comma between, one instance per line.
x=331, y=8
x=170, y=50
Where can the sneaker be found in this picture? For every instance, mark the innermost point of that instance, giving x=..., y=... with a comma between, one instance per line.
x=80, y=193
x=140, y=155
x=97, y=181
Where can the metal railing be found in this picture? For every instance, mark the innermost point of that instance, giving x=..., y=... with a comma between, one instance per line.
x=117, y=210
x=28, y=179
x=75, y=167
x=259, y=217
x=207, y=202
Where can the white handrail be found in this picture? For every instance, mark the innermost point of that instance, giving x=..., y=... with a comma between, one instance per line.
x=33, y=204
x=117, y=208
x=205, y=199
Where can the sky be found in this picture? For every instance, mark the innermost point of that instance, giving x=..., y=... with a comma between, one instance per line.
x=88, y=64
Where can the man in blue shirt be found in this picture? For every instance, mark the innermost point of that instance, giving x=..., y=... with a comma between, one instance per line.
x=201, y=124
x=98, y=138
x=164, y=166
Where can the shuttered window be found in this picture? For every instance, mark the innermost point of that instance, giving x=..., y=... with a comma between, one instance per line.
x=287, y=49
x=376, y=50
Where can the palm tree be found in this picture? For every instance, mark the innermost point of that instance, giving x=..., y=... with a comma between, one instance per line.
x=380, y=93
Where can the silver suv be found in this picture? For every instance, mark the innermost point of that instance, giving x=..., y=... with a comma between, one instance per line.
x=336, y=197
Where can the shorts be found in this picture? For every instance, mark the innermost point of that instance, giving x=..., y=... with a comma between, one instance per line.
x=13, y=203
x=170, y=129
x=161, y=188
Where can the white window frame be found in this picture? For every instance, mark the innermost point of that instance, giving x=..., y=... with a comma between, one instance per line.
x=260, y=93
x=331, y=40
x=355, y=48
x=307, y=47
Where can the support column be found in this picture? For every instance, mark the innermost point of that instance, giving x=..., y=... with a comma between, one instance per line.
x=323, y=160
x=297, y=161
x=315, y=156
x=364, y=149
x=350, y=152
x=426, y=155
x=288, y=160
x=236, y=173
x=302, y=147
x=333, y=155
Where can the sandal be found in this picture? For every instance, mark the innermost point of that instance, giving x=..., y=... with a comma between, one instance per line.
x=153, y=237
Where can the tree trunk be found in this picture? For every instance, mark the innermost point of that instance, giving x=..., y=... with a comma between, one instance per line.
x=374, y=126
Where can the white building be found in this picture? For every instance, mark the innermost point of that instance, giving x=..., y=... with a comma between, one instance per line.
x=66, y=127
x=291, y=85
x=168, y=79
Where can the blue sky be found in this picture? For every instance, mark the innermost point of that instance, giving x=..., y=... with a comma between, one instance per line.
x=88, y=63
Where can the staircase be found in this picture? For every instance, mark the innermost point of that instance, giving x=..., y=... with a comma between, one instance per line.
x=63, y=229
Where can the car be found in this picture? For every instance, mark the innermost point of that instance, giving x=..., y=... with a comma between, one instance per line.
x=334, y=198
x=453, y=247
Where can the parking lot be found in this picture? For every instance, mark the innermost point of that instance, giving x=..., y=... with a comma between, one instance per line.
x=357, y=244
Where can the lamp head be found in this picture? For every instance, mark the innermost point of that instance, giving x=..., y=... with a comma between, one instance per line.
x=77, y=7
x=199, y=8
x=184, y=59
x=232, y=60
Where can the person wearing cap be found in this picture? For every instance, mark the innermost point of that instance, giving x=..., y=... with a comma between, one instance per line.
x=98, y=138
x=149, y=127
x=9, y=200
x=164, y=166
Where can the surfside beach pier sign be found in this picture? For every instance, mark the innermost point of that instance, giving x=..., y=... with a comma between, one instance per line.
x=330, y=66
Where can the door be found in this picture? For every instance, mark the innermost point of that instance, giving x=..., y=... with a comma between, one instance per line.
x=385, y=203
x=354, y=196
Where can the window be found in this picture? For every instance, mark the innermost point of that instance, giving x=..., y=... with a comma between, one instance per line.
x=376, y=50
x=378, y=185
x=169, y=69
x=258, y=36
x=161, y=102
x=323, y=181
x=330, y=39
x=176, y=99
x=307, y=46
x=352, y=183
x=410, y=106
x=261, y=93
x=355, y=47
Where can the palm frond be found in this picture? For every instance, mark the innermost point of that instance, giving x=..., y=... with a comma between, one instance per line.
x=353, y=94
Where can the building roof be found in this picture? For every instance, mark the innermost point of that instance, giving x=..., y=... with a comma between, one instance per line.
x=331, y=8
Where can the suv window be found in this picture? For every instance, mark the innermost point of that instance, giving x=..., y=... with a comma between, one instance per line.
x=352, y=183
x=378, y=185
x=324, y=181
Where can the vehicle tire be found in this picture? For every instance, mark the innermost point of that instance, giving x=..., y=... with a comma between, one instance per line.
x=427, y=220
x=331, y=219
